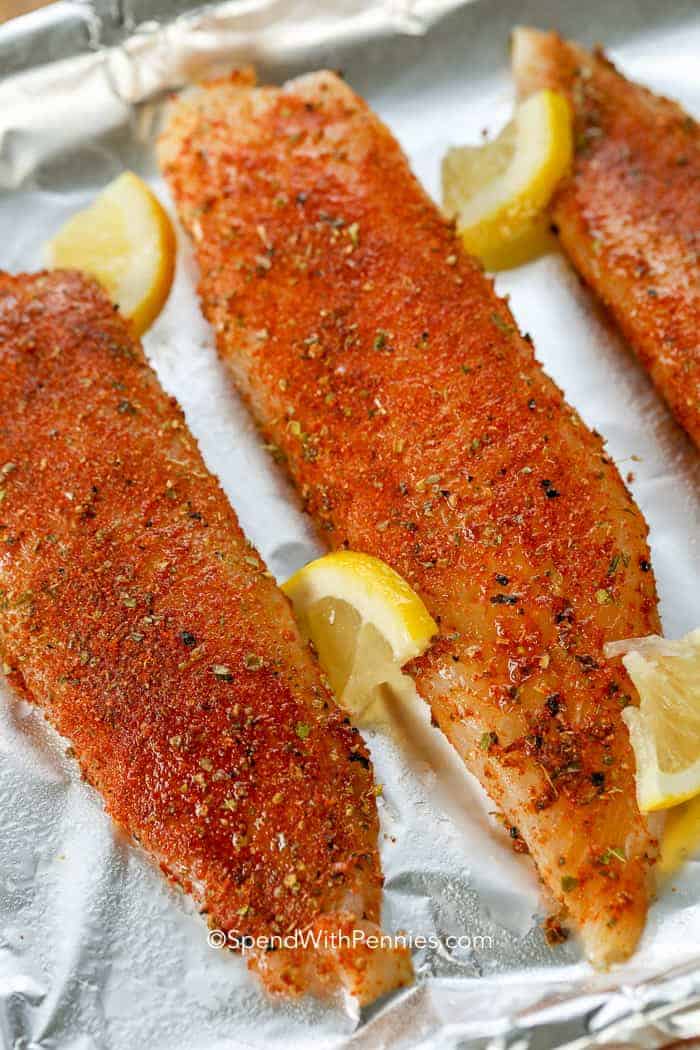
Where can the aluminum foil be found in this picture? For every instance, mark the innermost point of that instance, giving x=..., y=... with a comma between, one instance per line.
x=96, y=950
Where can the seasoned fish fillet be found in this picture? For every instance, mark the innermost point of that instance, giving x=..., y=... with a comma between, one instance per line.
x=629, y=216
x=419, y=427
x=133, y=610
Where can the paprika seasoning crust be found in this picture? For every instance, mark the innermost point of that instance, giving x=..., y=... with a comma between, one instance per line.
x=136, y=614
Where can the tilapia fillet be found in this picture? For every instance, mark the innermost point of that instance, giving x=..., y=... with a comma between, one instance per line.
x=133, y=610
x=419, y=427
x=629, y=215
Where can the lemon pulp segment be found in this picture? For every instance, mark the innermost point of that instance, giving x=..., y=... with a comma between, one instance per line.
x=665, y=728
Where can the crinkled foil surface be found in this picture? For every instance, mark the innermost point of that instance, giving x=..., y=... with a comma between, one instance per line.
x=96, y=950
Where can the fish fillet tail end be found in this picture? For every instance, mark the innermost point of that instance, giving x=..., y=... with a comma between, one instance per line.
x=339, y=952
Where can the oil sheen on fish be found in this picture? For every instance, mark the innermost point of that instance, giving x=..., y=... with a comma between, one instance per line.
x=629, y=215
x=135, y=613
x=419, y=427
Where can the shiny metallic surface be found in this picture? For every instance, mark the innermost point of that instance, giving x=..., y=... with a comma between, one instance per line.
x=96, y=950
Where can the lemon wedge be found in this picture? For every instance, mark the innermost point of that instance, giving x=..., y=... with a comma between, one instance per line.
x=364, y=620
x=125, y=240
x=665, y=728
x=499, y=192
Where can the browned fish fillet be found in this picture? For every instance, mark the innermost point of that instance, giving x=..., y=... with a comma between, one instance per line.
x=133, y=610
x=419, y=427
x=629, y=216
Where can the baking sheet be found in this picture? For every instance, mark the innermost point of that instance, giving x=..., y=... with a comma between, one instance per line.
x=96, y=950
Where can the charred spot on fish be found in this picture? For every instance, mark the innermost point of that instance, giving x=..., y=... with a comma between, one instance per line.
x=554, y=932
x=504, y=599
x=553, y=704
x=518, y=843
x=548, y=488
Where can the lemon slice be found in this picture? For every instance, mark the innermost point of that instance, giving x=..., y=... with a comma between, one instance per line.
x=126, y=240
x=499, y=192
x=665, y=728
x=365, y=622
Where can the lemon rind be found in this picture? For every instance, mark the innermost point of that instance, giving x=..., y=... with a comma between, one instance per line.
x=502, y=223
